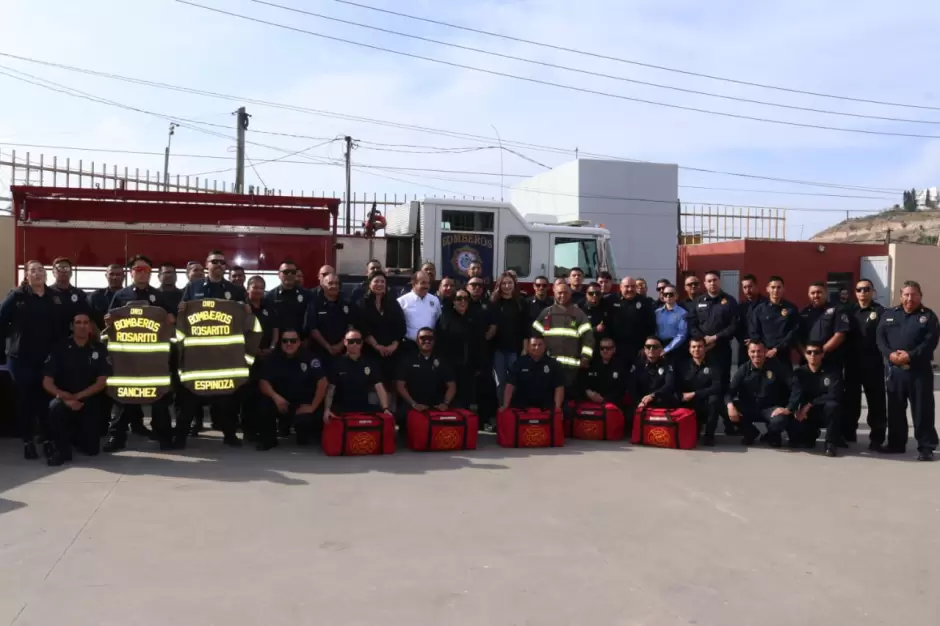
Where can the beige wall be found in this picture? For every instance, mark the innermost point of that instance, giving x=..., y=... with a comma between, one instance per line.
x=921, y=263
x=7, y=260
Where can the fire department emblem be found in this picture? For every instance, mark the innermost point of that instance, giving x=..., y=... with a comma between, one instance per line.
x=153, y=298
x=300, y=297
x=228, y=295
x=784, y=312
x=826, y=381
x=436, y=363
x=74, y=297
x=94, y=356
x=658, y=437
x=303, y=367
x=845, y=318
x=724, y=300
x=546, y=370
x=446, y=439
x=363, y=443
x=705, y=370
x=345, y=309
x=770, y=375
x=639, y=305
x=662, y=371
x=923, y=319
x=367, y=370
x=463, y=258
x=315, y=363
x=533, y=437
x=588, y=429
x=873, y=315
x=616, y=375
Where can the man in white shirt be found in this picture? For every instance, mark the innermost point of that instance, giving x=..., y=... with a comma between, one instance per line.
x=420, y=307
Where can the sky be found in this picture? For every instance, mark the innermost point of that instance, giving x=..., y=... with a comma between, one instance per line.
x=860, y=49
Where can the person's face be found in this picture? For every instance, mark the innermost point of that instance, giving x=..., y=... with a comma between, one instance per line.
x=692, y=285
x=238, y=278
x=115, y=277
x=422, y=286
x=374, y=266
x=605, y=285
x=62, y=273
x=843, y=295
x=429, y=270
x=216, y=265
x=290, y=342
x=669, y=296
x=475, y=269
x=541, y=289
x=36, y=274
x=757, y=353
x=775, y=290
x=641, y=287
x=331, y=284
x=814, y=356
x=507, y=285
x=196, y=272
x=300, y=277
x=660, y=286
x=325, y=271
x=608, y=350
x=461, y=301
x=256, y=290
x=749, y=289
x=575, y=279
x=448, y=287
x=288, y=275
x=910, y=298
x=377, y=285
x=817, y=297
x=475, y=287
x=628, y=288
x=653, y=350
x=863, y=292
x=426, y=342
x=562, y=294
x=353, y=343
x=712, y=284
x=697, y=349
x=536, y=347
x=81, y=327
x=593, y=295
x=168, y=276
x=141, y=272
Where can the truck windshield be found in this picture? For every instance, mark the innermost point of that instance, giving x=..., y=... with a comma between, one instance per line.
x=572, y=252
x=610, y=259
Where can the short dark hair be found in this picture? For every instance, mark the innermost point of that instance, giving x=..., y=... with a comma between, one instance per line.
x=215, y=252
x=288, y=329
x=190, y=264
x=165, y=265
x=62, y=259
x=653, y=338
x=715, y=273
x=140, y=257
x=256, y=279
x=288, y=261
x=371, y=261
x=664, y=281
x=865, y=280
x=913, y=284
x=776, y=279
x=818, y=283
x=236, y=268
x=756, y=341
x=575, y=269
x=115, y=266
x=545, y=278
x=749, y=277
x=605, y=275
x=696, y=340
x=813, y=344
x=594, y=285
x=425, y=329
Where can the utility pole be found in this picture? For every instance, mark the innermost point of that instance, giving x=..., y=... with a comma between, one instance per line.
x=502, y=184
x=241, y=127
x=166, y=157
x=348, y=202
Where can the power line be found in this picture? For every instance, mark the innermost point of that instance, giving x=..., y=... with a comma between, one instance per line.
x=637, y=63
x=429, y=130
x=549, y=83
x=578, y=70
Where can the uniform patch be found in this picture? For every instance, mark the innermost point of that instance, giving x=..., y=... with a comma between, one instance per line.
x=784, y=312
x=705, y=370
x=873, y=315
x=826, y=381
x=264, y=312
x=845, y=318
x=153, y=298
x=547, y=369
x=345, y=309
x=300, y=297
x=315, y=363
x=923, y=319
x=639, y=305
x=303, y=367
x=94, y=356
x=724, y=300
x=228, y=295
x=662, y=371
x=74, y=297
x=830, y=310
x=574, y=324
x=616, y=375
x=436, y=363
x=367, y=370
x=770, y=375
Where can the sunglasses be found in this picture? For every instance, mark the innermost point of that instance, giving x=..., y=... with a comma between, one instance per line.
x=290, y=340
x=426, y=339
x=813, y=351
x=669, y=294
x=606, y=348
x=695, y=284
x=289, y=272
x=660, y=288
x=474, y=285
x=593, y=293
x=461, y=299
x=862, y=289
x=217, y=261
x=353, y=342
x=541, y=285
x=652, y=346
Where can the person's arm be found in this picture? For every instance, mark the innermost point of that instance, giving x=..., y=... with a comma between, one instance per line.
x=328, y=402
x=48, y=385
x=881, y=338
x=402, y=390
x=507, y=395
x=95, y=388
x=383, y=397
x=714, y=385
x=668, y=388
x=267, y=390
x=586, y=338
x=449, y=393
x=834, y=342
x=792, y=331
x=314, y=331
x=559, y=397
x=683, y=332
x=694, y=328
x=928, y=345
x=319, y=394
x=841, y=328
x=7, y=309
x=735, y=387
x=729, y=331
x=796, y=399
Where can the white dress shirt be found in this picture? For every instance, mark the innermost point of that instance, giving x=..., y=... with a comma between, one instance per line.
x=419, y=313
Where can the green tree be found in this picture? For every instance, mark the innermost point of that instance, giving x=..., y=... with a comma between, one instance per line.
x=910, y=201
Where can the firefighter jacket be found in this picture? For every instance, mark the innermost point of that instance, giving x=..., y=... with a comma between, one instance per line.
x=568, y=334
x=218, y=340
x=138, y=339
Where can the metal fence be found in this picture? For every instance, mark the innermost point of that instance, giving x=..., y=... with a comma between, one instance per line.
x=713, y=223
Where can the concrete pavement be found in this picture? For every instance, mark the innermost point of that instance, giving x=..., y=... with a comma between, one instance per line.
x=590, y=534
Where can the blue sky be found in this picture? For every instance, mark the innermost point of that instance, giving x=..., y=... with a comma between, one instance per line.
x=861, y=48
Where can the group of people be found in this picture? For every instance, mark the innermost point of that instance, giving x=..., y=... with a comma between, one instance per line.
x=471, y=343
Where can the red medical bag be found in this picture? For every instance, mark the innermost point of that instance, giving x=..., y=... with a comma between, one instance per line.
x=598, y=422
x=530, y=428
x=453, y=429
x=665, y=428
x=358, y=434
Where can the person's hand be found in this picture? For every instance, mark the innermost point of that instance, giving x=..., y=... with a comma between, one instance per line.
x=803, y=413
x=304, y=409
x=772, y=353
x=73, y=404
x=594, y=397
x=779, y=411
x=419, y=407
x=688, y=396
x=264, y=351
x=107, y=318
x=600, y=327
x=442, y=406
x=893, y=358
x=903, y=357
x=383, y=350
x=710, y=340
x=387, y=411
x=502, y=408
x=337, y=349
x=328, y=415
x=733, y=414
x=283, y=406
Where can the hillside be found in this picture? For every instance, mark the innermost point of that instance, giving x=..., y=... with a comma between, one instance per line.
x=913, y=227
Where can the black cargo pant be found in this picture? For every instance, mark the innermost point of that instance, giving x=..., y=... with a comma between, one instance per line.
x=826, y=416
x=721, y=356
x=308, y=426
x=123, y=416
x=750, y=415
x=224, y=410
x=707, y=409
x=869, y=376
x=80, y=428
x=914, y=386
x=486, y=399
x=32, y=402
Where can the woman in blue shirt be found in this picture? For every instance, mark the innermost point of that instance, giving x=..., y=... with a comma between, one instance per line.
x=671, y=326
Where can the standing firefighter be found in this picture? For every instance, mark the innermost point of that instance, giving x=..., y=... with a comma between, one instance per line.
x=567, y=332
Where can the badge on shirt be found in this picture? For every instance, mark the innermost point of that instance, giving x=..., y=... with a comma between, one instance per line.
x=633, y=368
x=315, y=363
x=94, y=356
x=639, y=305
x=770, y=375
x=873, y=315
x=300, y=297
x=705, y=370
x=546, y=369
x=367, y=370
x=661, y=371
x=616, y=375
x=228, y=295
x=923, y=319
x=724, y=300
x=784, y=312
x=264, y=312
x=345, y=309
x=436, y=363
x=845, y=318
x=303, y=367
x=74, y=297
x=830, y=310
x=826, y=381
x=153, y=298
x=574, y=324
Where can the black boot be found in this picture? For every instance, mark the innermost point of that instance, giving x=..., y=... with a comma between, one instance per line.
x=831, y=450
x=114, y=444
x=29, y=451
x=52, y=454
x=266, y=444
x=179, y=442
x=232, y=440
x=925, y=455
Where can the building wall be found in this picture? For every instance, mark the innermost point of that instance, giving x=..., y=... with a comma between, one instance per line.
x=637, y=202
x=7, y=258
x=800, y=263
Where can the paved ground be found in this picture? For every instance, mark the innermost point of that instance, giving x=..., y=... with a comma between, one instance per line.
x=591, y=534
